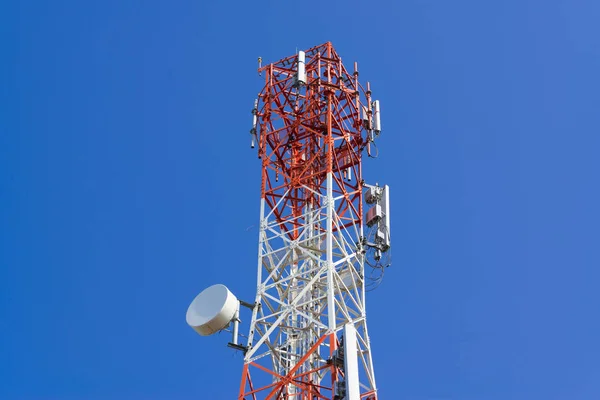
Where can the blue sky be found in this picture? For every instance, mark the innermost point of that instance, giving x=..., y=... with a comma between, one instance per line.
x=127, y=186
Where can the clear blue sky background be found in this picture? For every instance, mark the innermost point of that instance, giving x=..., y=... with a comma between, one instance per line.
x=127, y=186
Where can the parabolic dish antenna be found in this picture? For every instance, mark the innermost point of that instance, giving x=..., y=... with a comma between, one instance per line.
x=212, y=310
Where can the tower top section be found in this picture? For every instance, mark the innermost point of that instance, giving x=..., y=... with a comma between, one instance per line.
x=311, y=118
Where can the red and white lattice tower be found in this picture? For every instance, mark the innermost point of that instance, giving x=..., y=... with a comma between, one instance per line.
x=308, y=336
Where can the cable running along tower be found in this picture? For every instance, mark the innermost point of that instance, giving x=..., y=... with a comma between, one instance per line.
x=320, y=246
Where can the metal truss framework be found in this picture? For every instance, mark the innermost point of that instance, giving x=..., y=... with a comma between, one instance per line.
x=310, y=256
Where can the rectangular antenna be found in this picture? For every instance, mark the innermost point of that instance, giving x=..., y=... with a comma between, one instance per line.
x=351, y=362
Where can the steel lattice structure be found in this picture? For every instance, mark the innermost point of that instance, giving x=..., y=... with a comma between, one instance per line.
x=311, y=127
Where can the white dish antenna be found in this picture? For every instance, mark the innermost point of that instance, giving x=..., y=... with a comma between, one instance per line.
x=212, y=310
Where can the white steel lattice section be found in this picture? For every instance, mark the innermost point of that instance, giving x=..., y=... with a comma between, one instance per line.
x=292, y=291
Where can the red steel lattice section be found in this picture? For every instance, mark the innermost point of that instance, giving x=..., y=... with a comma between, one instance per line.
x=306, y=133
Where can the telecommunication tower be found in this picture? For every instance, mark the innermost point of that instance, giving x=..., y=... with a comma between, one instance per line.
x=320, y=248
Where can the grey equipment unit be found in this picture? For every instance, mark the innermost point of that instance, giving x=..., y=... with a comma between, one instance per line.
x=378, y=217
x=374, y=215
